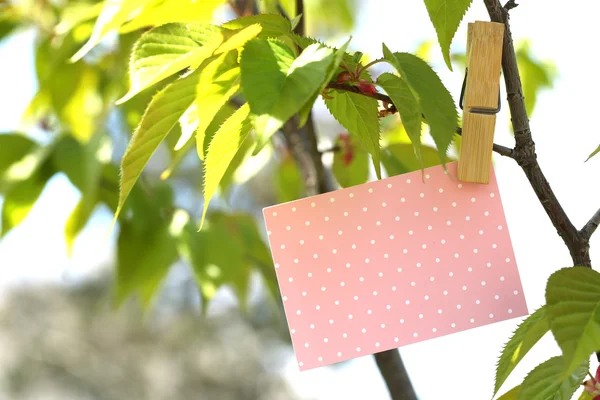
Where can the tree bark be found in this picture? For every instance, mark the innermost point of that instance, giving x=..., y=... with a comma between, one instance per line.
x=303, y=145
x=524, y=152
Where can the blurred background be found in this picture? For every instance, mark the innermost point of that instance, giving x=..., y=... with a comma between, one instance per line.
x=158, y=311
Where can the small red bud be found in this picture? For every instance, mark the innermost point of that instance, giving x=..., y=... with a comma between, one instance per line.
x=344, y=77
x=367, y=88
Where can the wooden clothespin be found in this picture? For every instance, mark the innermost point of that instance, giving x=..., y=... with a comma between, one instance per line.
x=480, y=100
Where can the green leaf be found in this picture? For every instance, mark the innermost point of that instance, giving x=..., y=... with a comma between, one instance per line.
x=536, y=75
x=13, y=148
x=434, y=99
x=350, y=163
x=27, y=166
x=78, y=219
x=288, y=181
x=146, y=247
x=221, y=151
x=19, y=200
x=408, y=107
x=276, y=85
x=167, y=11
x=358, y=114
x=548, y=381
x=83, y=165
x=585, y=395
x=295, y=21
x=272, y=25
x=114, y=14
x=399, y=158
x=593, y=153
x=512, y=394
x=244, y=230
x=333, y=68
x=573, y=305
x=446, y=16
x=529, y=332
x=162, y=114
x=218, y=82
x=330, y=17
x=168, y=49
x=9, y=21
x=217, y=257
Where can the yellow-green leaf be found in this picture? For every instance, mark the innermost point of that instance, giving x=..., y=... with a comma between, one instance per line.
x=78, y=219
x=114, y=13
x=272, y=25
x=288, y=180
x=239, y=38
x=165, y=11
x=168, y=49
x=218, y=82
x=19, y=200
x=76, y=13
x=162, y=114
x=511, y=394
x=585, y=395
x=593, y=153
x=221, y=151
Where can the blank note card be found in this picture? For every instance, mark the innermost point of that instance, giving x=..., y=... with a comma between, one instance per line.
x=392, y=262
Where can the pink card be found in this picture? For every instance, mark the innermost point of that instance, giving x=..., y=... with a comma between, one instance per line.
x=392, y=262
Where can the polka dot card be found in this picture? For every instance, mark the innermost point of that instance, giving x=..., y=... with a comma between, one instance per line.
x=392, y=262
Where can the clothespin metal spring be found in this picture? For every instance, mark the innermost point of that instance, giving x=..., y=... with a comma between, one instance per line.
x=473, y=109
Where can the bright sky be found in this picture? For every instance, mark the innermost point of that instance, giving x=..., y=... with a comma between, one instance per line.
x=457, y=366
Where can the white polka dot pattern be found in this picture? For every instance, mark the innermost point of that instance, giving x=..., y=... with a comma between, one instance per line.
x=416, y=257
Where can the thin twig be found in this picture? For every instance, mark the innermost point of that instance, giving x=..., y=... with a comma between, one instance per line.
x=333, y=149
x=354, y=89
x=588, y=230
x=502, y=150
x=524, y=152
x=510, y=4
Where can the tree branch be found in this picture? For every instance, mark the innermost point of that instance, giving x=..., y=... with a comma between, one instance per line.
x=303, y=143
x=524, y=152
x=395, y=376
x=588, y=230
x=354, y=89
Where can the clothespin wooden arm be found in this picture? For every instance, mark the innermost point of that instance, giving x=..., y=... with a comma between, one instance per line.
x=480, y=100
